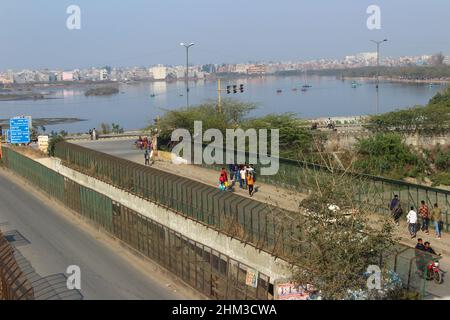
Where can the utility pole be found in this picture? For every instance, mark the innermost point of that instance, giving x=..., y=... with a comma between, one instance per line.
x=187, y=46
x=1, y=137
x=156, y=136
x=378, y=43
x=219, y=97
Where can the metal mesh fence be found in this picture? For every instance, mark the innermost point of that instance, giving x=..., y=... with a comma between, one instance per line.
x=14, y=284
x=205, y=269
x=300, y=175
x=253, y=222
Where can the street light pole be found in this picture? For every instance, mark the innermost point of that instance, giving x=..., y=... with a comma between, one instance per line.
x=378, y=59
x=187, y=46
x=378, y=43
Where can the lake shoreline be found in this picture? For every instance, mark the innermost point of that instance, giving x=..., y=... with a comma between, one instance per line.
x=390, y=79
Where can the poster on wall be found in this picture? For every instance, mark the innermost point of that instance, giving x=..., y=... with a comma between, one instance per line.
x=289, y=290
x=252, y=278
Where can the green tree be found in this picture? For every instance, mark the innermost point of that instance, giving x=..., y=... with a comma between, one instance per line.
x=54, y=138
x=296, y=138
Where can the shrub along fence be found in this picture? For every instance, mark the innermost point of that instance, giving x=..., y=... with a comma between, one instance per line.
x=205, y=269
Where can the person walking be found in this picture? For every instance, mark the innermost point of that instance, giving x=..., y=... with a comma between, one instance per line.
x=243, y=174
x=223, y=179
x=398, y=212
x=94, y=134
x=411, y=218
x=394, y=203
x=250, y=183
x=425, y=215
x=231, y=170
x=438, y=220
x=147, y=157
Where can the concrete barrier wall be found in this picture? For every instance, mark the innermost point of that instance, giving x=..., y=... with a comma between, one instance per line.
x=245, y=253
x=347, y=139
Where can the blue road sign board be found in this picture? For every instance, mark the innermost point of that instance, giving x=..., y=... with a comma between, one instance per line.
x=19, y=130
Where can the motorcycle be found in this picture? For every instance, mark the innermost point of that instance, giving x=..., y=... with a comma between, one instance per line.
x=433, y=272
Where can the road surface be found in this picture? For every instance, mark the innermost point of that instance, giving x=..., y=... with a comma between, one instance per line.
x=57, y=239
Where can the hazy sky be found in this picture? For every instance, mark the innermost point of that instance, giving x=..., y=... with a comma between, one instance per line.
x=33, y=34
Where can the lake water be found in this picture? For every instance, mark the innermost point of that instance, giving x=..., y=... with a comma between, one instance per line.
x=134, y=108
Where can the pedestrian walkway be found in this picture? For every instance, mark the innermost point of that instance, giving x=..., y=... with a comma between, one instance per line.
x=280, y=197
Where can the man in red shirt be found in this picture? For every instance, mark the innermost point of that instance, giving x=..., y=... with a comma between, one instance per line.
x=425, y=214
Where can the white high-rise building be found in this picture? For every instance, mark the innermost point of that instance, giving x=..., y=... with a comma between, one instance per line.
x=158, y=72
x=447, y=60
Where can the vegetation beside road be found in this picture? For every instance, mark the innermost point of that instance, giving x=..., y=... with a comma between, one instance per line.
x=295, y=136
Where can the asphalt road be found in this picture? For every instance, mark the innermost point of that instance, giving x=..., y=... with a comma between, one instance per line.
x=58, y=239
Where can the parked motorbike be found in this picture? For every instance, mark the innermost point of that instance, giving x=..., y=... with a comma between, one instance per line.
x=433, y=272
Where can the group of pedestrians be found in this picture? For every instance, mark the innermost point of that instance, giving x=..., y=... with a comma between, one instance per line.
x=424, y=214
x=245, y=175
x=146, y=145
x=93, y=134
x=143, y=143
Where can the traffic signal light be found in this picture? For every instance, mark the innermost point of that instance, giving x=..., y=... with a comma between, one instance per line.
x=228, y=89
x=234, y=88
x=241, y=88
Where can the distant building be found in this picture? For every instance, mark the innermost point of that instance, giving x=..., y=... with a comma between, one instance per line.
x=256, y=69
x=103, y=75
x=241, y=68
x=6, y=79
x=447, y=60
x=158, y=72
x=67, y=76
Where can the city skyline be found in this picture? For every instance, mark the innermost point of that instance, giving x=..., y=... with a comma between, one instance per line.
x=147, y=34
x=163, y=72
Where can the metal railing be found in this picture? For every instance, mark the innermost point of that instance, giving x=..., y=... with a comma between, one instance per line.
x=253, y=222
x=14, y=284
x=209, y=206
x=301, y=176
x=205, y=269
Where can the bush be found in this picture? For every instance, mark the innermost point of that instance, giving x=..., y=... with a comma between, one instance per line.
x=442, y=159
x=105, y=128
x=386, y=153
x=54, y=139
